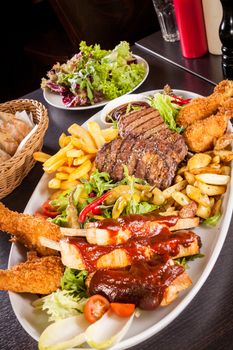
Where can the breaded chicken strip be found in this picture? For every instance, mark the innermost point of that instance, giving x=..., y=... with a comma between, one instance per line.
x=201, y=108
x=27, y=229
x=202, y=135
x=37, y=275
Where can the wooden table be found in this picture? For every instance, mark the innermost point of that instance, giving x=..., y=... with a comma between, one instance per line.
x=207, y=322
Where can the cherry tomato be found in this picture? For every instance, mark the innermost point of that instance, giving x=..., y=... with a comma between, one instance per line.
x=122, y=310
x=49, y=210
x=95, y=307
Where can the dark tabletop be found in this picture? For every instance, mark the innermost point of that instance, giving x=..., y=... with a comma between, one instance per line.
x=207, y=67
x=207, y=322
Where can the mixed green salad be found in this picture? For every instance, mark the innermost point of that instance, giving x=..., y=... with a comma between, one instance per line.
x=94, y=75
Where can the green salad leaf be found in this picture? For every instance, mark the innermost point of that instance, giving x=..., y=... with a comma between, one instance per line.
x=167, y=109
x=95, y=73
x=213, y=220
x=74, y=281
x=184, y=261
x=60, y=305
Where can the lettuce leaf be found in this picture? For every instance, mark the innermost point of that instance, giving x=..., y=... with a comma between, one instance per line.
x=60, y=304
x=167, y=109
x=74, y=281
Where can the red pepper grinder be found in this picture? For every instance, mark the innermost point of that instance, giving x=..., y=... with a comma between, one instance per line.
x=191, y=26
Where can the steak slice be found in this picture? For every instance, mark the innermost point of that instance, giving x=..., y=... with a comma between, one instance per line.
x=149, y=149
x=122, y=158
x=140, y=122
x=127, y=119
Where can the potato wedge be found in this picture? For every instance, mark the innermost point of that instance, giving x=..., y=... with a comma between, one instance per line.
x=199, y=160
x=182, y=170
x=177, y=187
x=94, y=130
x=210, y=190
x=196, y=194
x=225, y=170
x=216, y=209
x=181, y=198
x=203, y=211
x=224, y=141
x=225, y=156
x=178, y=178
x=189, y=177
x=212, y=169
x=213, y=179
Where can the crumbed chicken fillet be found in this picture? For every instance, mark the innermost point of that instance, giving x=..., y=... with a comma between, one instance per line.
x=202, y=134
x=27, y=229
x=201, y=108
x=37, y=275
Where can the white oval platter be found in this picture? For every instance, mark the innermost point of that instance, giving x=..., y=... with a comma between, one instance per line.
x=150, y=322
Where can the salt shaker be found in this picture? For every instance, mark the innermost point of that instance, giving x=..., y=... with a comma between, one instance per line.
x=190, y=22
x=226, y=37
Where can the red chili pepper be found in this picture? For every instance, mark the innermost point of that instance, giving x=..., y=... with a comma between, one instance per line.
x=96, y=211
x=92, y=206
x=180, y=101
x=49, y=210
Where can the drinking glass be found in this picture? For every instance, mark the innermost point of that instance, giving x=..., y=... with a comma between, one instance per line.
x=167, y=20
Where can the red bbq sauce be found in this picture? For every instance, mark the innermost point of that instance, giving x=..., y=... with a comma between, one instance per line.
x=142, y=284
x=140, y=248
x=138, y=225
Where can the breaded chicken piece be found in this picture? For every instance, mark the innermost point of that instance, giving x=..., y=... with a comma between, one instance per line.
x=27, y=229
x=201, y=108
x=202, y=135
x=37, y=275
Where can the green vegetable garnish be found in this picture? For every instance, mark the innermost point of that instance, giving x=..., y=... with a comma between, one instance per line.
x=213, y=220
x=60, y=305
x=167, y=109
x=94, y=72
x=74, y=281
x=184, y=261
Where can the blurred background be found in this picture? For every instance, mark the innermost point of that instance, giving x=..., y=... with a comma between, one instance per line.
x=35, y=34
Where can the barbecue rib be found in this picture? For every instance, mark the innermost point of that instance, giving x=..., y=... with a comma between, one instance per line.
x=78, y=254
x=149, y=149
x=146, y=284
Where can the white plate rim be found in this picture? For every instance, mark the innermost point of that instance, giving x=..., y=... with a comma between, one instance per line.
x=151, y=331
x=49, y=95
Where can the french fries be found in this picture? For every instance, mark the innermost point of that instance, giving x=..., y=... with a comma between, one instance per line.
x=75, y=159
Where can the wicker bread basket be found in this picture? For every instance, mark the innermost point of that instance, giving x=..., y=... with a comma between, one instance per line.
x=17, y=167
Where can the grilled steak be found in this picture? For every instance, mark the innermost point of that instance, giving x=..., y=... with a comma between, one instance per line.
x=149, y=149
